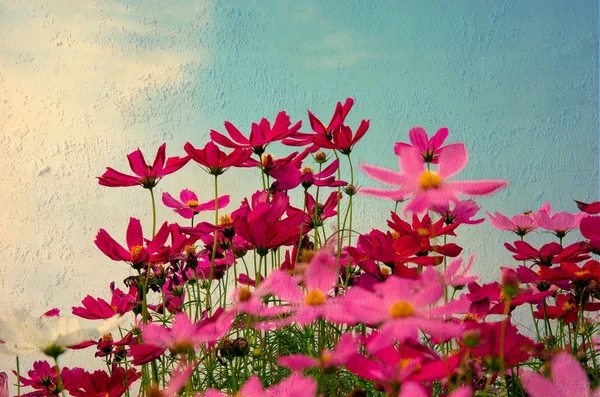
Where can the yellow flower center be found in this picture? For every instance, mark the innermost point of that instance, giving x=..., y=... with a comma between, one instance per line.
x=325, y=358
x=423, y=232
x=244, y=294
x=568, y=306
x=267, y=159
x=192, y=204
x=430, y=180
x=405, y=362
x=225, y=220
x=107, y=337
x=402, y=309
x=385, y=270
x=471, y=317
x=307, y=170
x=315, y=297
x=135, y=251
x=395, y=235
x=582, y=273
x=190, y=250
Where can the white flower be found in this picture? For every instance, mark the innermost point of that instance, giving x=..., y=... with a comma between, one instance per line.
x=24, y=334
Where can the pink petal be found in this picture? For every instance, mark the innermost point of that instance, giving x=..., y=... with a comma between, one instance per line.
x=438, y=139
x=412, y=389
x=170, y=201
x=537, y=385
x=568, y=376
x=418, y=137
x=187, y=195
x=134, y=233
x=396, y=195
x=382, y=175
x=297, y=362
x=452, y=160
x=475, y=188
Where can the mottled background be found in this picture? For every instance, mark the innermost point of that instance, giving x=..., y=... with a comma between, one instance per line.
x=83, y=83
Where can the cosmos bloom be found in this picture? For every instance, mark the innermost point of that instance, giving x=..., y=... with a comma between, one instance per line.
x=559, y=223
x=99, y=309
x=99, y=383
x=317, y=212
x=139, y=250
x=462, y=212
x=568, y=379
x=294, y=386
x=145, y=175
x=214, y=161
x=342, y=139
x=261, y=225
x=319, y=279
x=42, y=378
x=404, y=307
x=548, y=254
x=24, y=334
x=261, y=134
x=521, y=224
x=458, y=276
x=429, y=189
x=344, y=350
x=189, y=205
x=3, y=384
x=326, y=131
x=268, y=163
x=430, y=149
x=290, y=177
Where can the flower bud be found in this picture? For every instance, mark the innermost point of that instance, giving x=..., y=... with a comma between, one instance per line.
x=350, y=190
x=240, y=347
x=472, y=338
x=320, y=157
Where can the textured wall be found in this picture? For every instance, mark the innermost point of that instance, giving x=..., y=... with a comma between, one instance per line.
x=83, y=83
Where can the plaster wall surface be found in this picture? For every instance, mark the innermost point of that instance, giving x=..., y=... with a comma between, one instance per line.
x=83, y=83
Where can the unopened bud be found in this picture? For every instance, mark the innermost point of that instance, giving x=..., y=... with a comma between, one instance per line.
x=320, y=157
x=240, y=347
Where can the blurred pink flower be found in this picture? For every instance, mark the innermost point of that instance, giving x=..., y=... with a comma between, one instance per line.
x=189, y=205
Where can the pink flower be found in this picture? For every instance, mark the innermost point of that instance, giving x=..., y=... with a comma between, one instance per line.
x=590, y=229
x=560, y=223
x=214, y=160
x=429, y=189
x=3, y=384
x=456, y=275
x=189, y=205
x=261, y=134
x=344, y=350
x=289, y=177
x=146, y=175
x=98, y=309
x=462, y=212
x=139, y=250
x=404, y=307
x=99, y=383
x=519, y=224
x=592, y=208
x=568, y=380
x=430, y=149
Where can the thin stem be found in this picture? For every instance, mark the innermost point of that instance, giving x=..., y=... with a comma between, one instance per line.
x=153, y=213
x=18, y=377
x=59, y=382
x=214, y=250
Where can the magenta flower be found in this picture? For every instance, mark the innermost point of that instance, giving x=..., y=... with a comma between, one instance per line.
x=261, y=134
x=145, y=174
x=99, y=309
x=189, y=205
x=404, y=307
x=3, y=384
x=568, y=379
x=521, y=224
x=290, y=177
x=590, y=229
x=430, y=149
x=342, y=139
x=43, y=379
x=591, y=208
x=559, y=223
x=99, y=383
x=139, y=250
x=429, y=189
x=214, y=161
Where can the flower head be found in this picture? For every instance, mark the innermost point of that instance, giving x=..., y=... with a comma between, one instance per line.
x=430, y=149
x=145, y=175
x=189, y=205
x=429, y=189
x=214, y=160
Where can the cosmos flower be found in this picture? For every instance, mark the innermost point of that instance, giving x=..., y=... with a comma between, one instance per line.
x=24, y=334
x=214, y=161
x=521, y=224
x=559, y=223
x=145, y=175
x=189, y=205
x=568, y=379
x=99, y=383
x=261, y=134
x=429, y=189
x=430, y=149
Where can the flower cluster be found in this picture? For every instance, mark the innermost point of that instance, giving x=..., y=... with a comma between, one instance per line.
x=283, y=297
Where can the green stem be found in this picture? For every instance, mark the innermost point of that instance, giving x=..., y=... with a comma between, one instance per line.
x=214, y=250
x=59, y=382
x=153, y=213
x=18, y=377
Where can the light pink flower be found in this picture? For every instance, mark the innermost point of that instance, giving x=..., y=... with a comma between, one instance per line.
x=404, y=306
x=346, y=347
x=559, y=223
x=429, y=148
x=456, y=275
x=520, y=224
x=568, y=380
x=189, y=205
x=429, y=189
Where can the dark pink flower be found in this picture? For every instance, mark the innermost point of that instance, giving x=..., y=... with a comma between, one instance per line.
x=592, y=208
x=430, y=149
x=261, y=134
x=189, y=205
x=145, y=174
x=213, y=160
x=43, y=379
x=590, y=229
x=98, y=309
x=139, y=250
x=462, y=212
x=290, y=177
x=99, y=383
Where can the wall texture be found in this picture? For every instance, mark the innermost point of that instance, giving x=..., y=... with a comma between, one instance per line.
x=83, y=83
